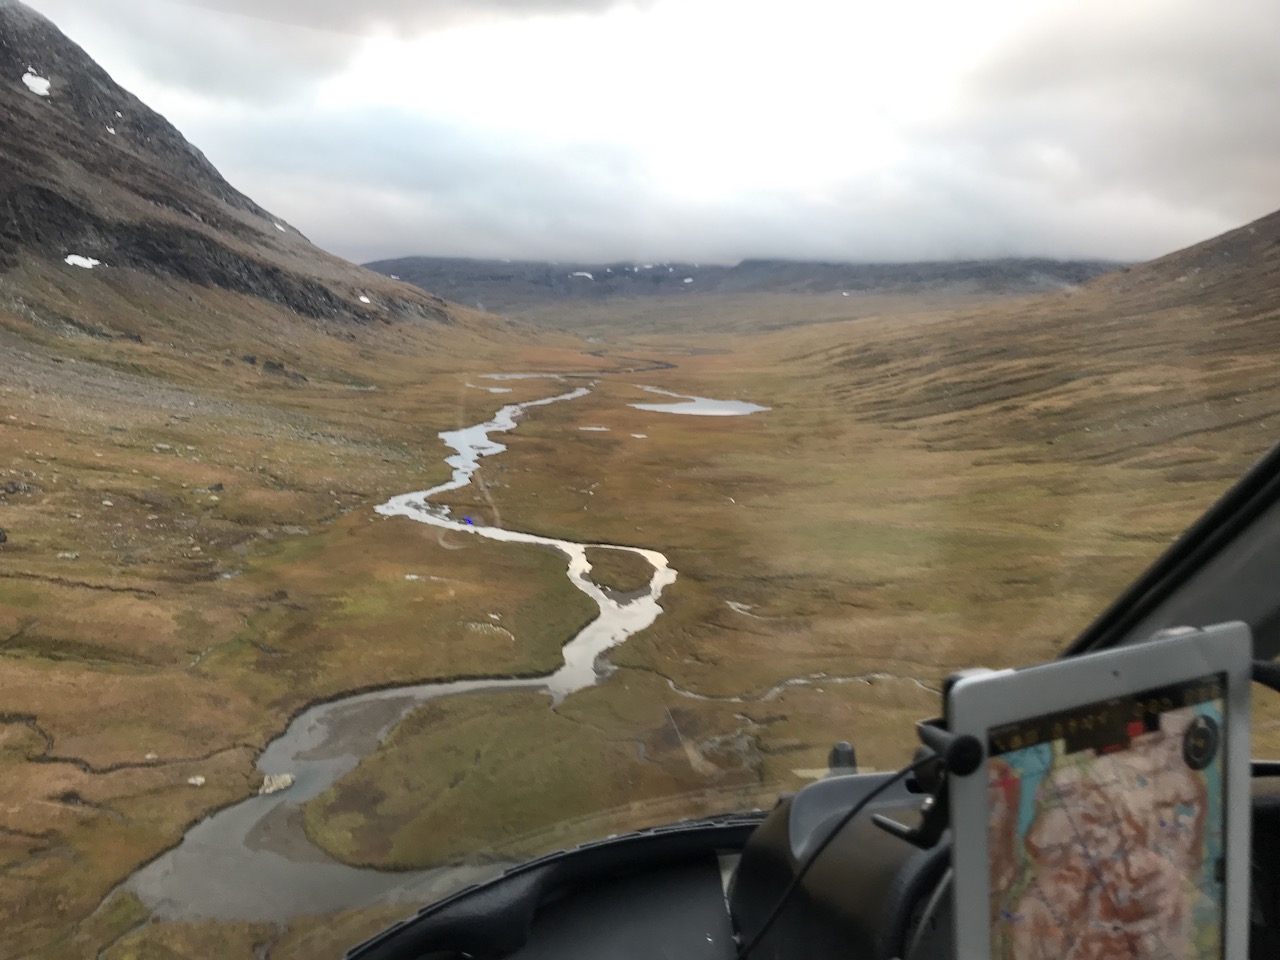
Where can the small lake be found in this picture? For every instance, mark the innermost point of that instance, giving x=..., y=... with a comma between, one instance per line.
x=699, y=406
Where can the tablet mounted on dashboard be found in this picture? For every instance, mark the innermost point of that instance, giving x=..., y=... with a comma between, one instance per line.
x=1110, y=817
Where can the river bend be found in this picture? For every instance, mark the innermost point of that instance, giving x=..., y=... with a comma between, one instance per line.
x=253, y=861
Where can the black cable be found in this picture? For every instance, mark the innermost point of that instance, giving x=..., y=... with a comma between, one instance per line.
x=843, y=822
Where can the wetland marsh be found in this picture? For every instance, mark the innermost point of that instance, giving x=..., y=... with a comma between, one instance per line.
x=837, y=555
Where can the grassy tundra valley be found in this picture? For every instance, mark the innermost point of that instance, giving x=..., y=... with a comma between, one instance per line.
x=198, y=428
x=913, y=501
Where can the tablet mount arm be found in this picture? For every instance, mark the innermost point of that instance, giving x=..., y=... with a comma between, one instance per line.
x=955, y=756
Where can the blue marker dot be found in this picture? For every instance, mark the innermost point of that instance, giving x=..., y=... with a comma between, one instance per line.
x=469, y=520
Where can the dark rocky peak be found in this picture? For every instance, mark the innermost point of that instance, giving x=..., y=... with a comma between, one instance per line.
x=90, y=171
x=81, y=92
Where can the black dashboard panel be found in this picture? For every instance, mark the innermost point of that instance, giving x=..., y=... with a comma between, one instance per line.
x=660, y=893
x=1264, y=931
x=655, y=893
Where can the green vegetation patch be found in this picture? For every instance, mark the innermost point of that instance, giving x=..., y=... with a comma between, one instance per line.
x=373, y=600
x=502, y=775
x=619, y=570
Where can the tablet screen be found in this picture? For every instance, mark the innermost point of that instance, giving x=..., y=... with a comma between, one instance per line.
x=1106, y=828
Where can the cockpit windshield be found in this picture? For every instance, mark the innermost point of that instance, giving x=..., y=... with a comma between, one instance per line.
x=435, y=435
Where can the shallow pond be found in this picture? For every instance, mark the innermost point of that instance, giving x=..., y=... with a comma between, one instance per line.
x=699, y=406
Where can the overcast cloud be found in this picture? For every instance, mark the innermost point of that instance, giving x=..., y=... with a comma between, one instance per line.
x=711, y=130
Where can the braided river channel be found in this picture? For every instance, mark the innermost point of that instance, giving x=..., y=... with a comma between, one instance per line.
x=253, y=860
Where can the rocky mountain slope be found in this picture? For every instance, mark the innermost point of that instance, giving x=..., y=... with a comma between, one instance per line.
x=1175, y=356
x=89, y=172
x=512, y=286
x=1241, y=266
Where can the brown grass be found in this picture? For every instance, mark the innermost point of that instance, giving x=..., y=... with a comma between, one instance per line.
x=930, y=490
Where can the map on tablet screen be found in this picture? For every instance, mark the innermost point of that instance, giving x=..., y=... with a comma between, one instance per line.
x=1107, y=828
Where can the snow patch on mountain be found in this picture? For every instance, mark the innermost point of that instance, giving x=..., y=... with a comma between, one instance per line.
x=35, y=83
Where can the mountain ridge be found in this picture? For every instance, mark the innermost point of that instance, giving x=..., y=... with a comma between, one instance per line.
x=514, y=285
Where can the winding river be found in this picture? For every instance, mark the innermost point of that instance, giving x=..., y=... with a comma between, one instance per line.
x=253, y=861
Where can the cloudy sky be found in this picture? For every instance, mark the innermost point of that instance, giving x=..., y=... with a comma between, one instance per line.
x=712, y=130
